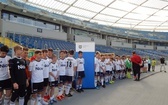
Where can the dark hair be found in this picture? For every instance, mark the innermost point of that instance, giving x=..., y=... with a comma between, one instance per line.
x=44, y=51
x=97, y=52
x=71, y=52
x=62, y=51
x=25, y=49
x=133, y=52
x=50, y=49
x=37, y=52
x=80, y=52
x=4, y=49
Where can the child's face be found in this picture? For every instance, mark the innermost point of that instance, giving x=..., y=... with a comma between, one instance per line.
x=3, y=54
x=38, y=56
x=19, y=51
x=54, y=59
x=80, y=55
x=45, y=54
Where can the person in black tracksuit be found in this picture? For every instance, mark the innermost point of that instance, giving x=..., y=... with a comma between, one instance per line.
x=17, y=67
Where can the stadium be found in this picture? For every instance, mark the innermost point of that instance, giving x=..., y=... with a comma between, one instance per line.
x=117, y=27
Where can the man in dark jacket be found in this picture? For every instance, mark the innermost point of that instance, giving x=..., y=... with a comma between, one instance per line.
x=162, y=64
x=136, y=64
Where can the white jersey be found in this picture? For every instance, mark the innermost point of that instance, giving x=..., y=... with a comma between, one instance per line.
x=62, y=63
x=4, y=68
x=108, y=65
x=37, y=69
x=102, y=65
x=146, y=63
x=80, y=64
x=54, y=69
x=122, y=64
x=118, y=65
x=46, y=68
x=71, y=63
x=97, y=63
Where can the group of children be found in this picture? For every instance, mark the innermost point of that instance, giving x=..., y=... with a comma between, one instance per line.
x=109, y=68
x=35, y=79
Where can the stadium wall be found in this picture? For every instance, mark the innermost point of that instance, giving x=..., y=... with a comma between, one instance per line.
x=120, y=44
x=161, y=48
x=90, y=39
x=138, y=46
x=14, y=27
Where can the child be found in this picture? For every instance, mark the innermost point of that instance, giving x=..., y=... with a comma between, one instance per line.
x=153, y=64
x=102, y=71
x=70, y=69
x=80, y=71
x=45, y=73
x=97, y=69
x=62, y=74
x=17, y=67
x=53, y=78
x=5, y=81
x=128, y=65
x=108, y=69
x=36, y=69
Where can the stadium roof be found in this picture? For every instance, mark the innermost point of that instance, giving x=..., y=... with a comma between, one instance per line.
x=151, y=15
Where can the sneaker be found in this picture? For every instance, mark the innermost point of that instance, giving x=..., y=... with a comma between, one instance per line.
x=165, y=71
x=44, y=102
x=110, y=82
x=160, y=70
x=68, y=95
x=51, y=102
x=97, y=87
x=59, y=98
x=81, y=90
x=54, y=100
x=62, y=96
x=103, y=86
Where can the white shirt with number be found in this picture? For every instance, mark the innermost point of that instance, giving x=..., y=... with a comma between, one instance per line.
x=4, y=68
x=37, y=69
x=80, y=64
x=46, y=68
x=54, y=69
x=71, y=63
x=62, y=63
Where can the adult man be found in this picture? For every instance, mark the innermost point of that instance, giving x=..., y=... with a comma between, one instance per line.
x=136, y=63
x=162, y=64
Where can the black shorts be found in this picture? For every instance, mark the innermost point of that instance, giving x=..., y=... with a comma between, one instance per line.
x=97, y=73
x=21, y=92
x=110, y=72
x=62, y=79
x=80, y=74
x=69, y=78
x=5, y=84
x=37, y=87
x=45, y=82
x=107, y=72
x=53, y=83
x=102, y=74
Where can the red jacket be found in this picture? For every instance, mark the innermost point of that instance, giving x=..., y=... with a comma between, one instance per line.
x=136, y=59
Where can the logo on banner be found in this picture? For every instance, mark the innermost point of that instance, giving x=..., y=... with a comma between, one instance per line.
x=80, y=46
